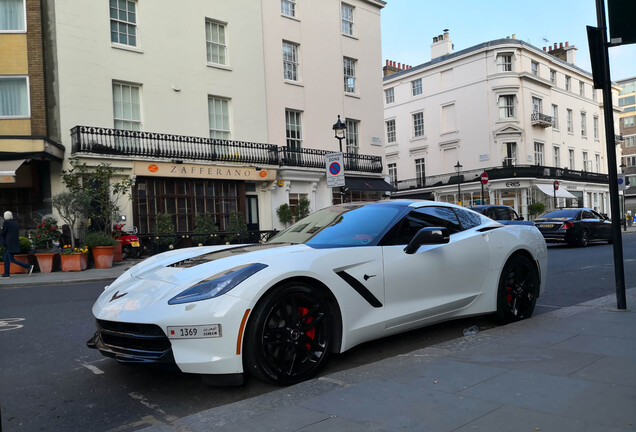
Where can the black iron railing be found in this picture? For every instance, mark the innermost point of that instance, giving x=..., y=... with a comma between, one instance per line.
x=506, y=172
x=541, y=119
x=87, y=139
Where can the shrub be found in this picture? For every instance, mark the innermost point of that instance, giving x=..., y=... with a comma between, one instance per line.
x=536, y=209
x=284, y=213
x=45, y=233
x=25, y=245
x=93, y=239
x=203, y=224
x=303, y=209
x=164, y=227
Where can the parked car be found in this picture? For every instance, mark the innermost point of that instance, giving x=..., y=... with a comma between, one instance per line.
x=501, y=213
x=339, y=277
x=576, y=226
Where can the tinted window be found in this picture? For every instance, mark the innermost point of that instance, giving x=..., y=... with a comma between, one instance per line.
x=421, y=218
x=468, y=219
x=558, y=214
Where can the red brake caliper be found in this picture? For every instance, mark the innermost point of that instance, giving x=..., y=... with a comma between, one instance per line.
x=302, y=311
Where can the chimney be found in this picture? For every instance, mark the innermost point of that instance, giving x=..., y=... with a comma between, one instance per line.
x=390, y=68
x=441, y=46
x=566, y=53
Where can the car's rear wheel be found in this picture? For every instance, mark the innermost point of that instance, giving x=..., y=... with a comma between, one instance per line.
x=584, y=238
x=289, y=335
x=518, y=290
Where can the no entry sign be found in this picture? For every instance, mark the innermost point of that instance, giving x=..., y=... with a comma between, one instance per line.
x=484, y=178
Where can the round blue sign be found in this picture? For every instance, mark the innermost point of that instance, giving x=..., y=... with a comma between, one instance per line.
x=334, y=168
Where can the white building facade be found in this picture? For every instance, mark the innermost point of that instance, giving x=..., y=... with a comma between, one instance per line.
x=200, y=115
x=518, y=113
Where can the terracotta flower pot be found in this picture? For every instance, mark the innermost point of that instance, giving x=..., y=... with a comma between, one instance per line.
x=72, y=262
x=46, y=261
x=84, y=261
x=118, y=250
x=103, y=256
x=25, y=258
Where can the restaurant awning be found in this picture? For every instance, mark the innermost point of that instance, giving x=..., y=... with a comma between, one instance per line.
x=8, y=169
x=368, y=184
x=549, y=190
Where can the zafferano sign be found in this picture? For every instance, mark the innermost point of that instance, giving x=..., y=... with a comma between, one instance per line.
x=163, y=169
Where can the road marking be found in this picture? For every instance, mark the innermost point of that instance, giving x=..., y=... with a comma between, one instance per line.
x=7, y=324
x=334, y=381
x=94, y=369
x=142, y=400
x=145, y=421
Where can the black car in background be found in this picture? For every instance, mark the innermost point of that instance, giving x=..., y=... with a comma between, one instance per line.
x=575, y=226
x=501, y=213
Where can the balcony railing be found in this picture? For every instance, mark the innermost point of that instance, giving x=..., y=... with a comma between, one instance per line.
x=542, y=120
x=87, y=139
x=502, y=173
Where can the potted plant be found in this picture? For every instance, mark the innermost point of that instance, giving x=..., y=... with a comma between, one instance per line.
x=284, y=213
x=24, y=256
x=303, y=208
x=44, y=238
x=71, y=207
x=102, y=247
x=74, y=259
x=204, y=228
x=118, y=231
x=164, y=232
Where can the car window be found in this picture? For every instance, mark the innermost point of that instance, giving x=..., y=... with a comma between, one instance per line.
x=586, y=214
x=597, y=215
x=467, y=218
x=430, y=216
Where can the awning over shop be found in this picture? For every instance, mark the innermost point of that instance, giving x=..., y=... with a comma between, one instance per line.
x=368, y=184
x=549, y=190
x=8, y=169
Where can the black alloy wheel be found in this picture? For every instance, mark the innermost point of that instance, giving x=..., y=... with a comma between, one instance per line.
x=289, y=336
x=518, y=290
x=584, y=238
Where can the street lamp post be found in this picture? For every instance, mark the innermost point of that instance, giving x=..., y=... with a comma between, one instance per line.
x=458, y=167
x=624, y=212
x=340, y=129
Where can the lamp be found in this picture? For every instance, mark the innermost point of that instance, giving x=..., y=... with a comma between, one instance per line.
x=339, y=130
x=458, y=167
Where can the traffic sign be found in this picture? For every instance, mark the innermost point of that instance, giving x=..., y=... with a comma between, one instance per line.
x=334, y=163
x=484, y=178
x=556, y=185
x=621, y=181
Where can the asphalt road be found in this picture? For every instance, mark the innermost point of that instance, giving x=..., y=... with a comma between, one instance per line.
x=50, y=381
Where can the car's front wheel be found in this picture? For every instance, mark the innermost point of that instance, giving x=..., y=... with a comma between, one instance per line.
x=518, y=290
x=289, y=335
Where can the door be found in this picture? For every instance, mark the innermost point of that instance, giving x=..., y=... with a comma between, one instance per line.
x=437, y=279
x=251, y=213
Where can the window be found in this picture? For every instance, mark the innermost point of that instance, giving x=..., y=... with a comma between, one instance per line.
x=392, y=167
x=347, y=19
x=583, y=124
x=509, y=154
x=537, y=105
x=593, y=94
x=553, y=76
x=571, y=158
x=629, y=100
x=569, y=120
x=390, y=131
x=449, y=123
x=538, y=153
x=597, y=161
x=585, y=161
x=353, y=140
x=215, y=41
x=506, y=106
x=288, y=7
x=14, y=97
x=293, y=129
x=630, y=141
x=12, y=15
x=219, y=118
x=389, y=95
x=568, y=83
x=430, y=216
x=123, y=22
x=556, y=159
x=127, y=106
x=595, y=127
x=534, y=67
x=349, y=75
x=418, y=125
x=420, y=172
x=582, y=88
x=555, y=116
x=504, y=63
x=416, y=87
x=628, y=121
x=290, y=61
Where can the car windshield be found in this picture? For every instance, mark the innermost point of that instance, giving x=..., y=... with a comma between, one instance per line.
x=342, y=225
x=561, y=214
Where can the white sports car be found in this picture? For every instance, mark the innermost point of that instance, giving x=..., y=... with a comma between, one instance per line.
x=339, y=277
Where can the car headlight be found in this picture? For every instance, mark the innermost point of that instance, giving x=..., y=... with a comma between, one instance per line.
x=217, y=285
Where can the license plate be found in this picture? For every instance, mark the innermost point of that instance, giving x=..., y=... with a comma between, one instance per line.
x=195, y=332
x=134, y=244
x=545, y=226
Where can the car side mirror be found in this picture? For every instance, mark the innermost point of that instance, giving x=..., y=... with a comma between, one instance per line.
x=429, y=235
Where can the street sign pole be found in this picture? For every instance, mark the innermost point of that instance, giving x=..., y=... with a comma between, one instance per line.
x=484, y=180
x=600, y=67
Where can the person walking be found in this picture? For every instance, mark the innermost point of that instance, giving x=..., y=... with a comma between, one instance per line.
x=11, y=241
